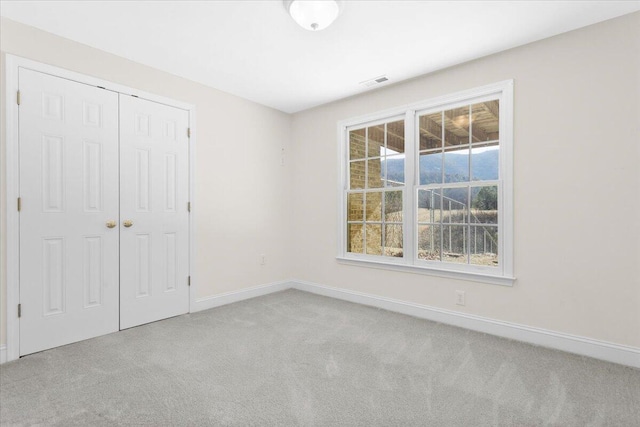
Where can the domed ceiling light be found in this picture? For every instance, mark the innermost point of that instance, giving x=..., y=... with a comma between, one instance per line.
x=313, y=15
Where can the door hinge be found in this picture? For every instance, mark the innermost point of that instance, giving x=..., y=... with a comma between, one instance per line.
x=188, y=280
x=19, y=204
x=19, y=310
x=188, y=206
x=18, y=98
x=188, y=132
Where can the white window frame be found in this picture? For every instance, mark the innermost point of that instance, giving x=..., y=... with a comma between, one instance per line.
x=502, y=274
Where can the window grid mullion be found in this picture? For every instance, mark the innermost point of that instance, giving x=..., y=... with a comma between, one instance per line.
x=365, y=185
x=364, y=224
x=468, y=225
x=467, y=238
x=442, y=145
x=383, y=196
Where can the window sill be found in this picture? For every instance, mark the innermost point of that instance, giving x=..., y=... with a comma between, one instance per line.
x=429, y=271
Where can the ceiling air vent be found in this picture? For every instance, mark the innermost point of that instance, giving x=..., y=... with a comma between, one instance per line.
x=374, y=81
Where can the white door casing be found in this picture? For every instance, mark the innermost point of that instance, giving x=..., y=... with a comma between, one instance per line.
x=16, y=111
x=68, y=152
x=154, y=177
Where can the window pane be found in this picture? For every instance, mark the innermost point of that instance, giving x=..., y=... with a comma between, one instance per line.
x=354, y=238
x=456, y=129
x=356, y=175
x=429, y=203
x=376, y=173
x=393, y=240
x=374, y=239
x=484, y=205
x=429, y=242
x=430, y=131
x=456, y=165
x=395, y=170
x=395, y=137
x=375, y=141
x=430, y=168
x=484, y=245
x=355, y=210
x=454, y=243
x=393, y=206
x=485, y=162
x=455, y=205
x=485, y=122
x=357, y=144
x=374, y=206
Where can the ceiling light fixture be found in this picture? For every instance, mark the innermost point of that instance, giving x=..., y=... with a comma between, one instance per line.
x=313, y=15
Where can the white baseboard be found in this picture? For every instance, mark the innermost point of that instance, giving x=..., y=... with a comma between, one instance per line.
x=231, y=297
x=610, y=352
x=602, y=350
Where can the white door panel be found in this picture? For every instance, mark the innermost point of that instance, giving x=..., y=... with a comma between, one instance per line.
x=68, y=139
x=154, y=173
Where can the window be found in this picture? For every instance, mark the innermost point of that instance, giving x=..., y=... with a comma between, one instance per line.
x=376, y=184
x=428, y=187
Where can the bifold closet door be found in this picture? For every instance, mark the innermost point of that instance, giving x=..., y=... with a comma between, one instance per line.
x=68, y=144
x=154, y=237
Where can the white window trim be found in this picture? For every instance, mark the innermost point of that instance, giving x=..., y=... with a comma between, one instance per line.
x=503, y=275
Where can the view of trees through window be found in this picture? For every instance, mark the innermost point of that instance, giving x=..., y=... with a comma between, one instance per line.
x=428, y=187
x=458, y=193
x=457, y=172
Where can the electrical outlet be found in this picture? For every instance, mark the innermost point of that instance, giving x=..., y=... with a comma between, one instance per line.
x=460, y=297
x=263, y=259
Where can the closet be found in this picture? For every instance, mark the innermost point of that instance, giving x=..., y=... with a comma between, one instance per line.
x=103, y=211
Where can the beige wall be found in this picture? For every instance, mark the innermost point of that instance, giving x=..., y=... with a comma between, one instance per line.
x=577, y=186
x=242, y=205
x=577, y=180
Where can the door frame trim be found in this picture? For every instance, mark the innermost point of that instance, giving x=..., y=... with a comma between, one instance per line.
x=11, y=162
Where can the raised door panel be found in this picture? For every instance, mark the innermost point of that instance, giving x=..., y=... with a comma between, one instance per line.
x=68, y=142
x=154, y=169
x=93, y=270
x=93, y=179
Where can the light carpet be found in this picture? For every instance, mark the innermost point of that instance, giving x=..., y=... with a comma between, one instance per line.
x=298, y=359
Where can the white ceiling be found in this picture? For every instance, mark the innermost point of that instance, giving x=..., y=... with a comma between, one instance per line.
x=253, y=49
